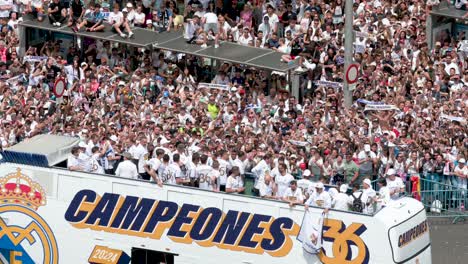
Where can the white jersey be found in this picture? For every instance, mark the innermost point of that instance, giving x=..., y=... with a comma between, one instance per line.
x=95, y=166
x=294, y=196
x=322, y=199
x=171, y=173
x=224, y=168
x=395, y=185
x=341, y=201
x=283, y=183
x=204, y=181
x=234, y=182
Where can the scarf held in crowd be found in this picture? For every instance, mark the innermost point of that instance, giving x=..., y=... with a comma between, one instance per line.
x=381, y=107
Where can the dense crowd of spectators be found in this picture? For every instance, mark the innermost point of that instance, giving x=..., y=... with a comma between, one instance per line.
x=143, y=114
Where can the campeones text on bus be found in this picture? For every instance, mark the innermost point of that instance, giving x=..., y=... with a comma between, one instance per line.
x=144, y=217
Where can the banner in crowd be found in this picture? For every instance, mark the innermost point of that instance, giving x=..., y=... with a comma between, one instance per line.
x=223, y=87
x=299, y=143
x=35, y=58
x=366, y=102
x=380, y=107
x=311, y=232
x=453, y=118
x=335, y=85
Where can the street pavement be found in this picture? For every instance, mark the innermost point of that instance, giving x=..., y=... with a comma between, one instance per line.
x=449, y=241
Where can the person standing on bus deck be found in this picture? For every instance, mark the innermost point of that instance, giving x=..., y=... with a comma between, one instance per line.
x=368, y=196
x=127, y=169
x=395, y=184
x=57, y=13
x=73, y=163
x=320, y=198
x=293, y=195
x=234, y=182
x=383, y=197
x=341, y=200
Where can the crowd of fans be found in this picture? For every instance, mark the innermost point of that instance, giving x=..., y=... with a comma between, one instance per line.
x=143, y=114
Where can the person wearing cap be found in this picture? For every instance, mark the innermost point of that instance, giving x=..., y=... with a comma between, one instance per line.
x=461, y=171
x=293, y=194
x=127, y=169
x=320, y=198
x=366, y=158
x=130, y=13
x=119, y=21
x=341, y=200
x=395, y=184
x=305, y=184
x=368, y=196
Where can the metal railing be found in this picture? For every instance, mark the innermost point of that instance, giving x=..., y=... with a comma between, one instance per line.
x=440, y=198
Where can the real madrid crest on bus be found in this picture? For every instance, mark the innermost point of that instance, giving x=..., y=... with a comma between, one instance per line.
x=22, y=229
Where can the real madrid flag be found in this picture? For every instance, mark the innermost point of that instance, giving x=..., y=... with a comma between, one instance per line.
x=311, y=232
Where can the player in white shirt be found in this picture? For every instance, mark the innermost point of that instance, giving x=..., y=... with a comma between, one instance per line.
x=94, y=160
x=152, y=166
x=368, y=196
x=140, y=153
x=305, y=183
x=203, y=171
x=282, y=180
x=234, y=183
x=266, y=187
x=293, y=195
x=383, y=197
x=213, y=177
x=320, y=198
x=224, y=168
x=394, y=184
x=341, y=201
x=127, y=169
x=263, y=167
x=73, y=163
x=176, y=170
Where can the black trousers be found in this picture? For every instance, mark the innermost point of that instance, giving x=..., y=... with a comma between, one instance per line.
x=60, y=19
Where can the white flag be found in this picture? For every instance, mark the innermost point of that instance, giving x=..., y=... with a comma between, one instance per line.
x=311, y=232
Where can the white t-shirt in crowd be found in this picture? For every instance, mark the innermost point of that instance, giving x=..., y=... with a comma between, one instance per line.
x=204, y=181
x=294, y=196
x=234, y=182
x=115, y=18
x=211, y=18
x=127, y=169
x=283, y=183
x=394, y=185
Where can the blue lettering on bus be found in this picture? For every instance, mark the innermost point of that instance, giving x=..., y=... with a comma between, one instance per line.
x=103, y=210
x=279, y=238
x=254, y=228
x=206, y=224
x=73, y=214
x=230, y=229
x=133, y=212
x=164, y=212
x=182, y=218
